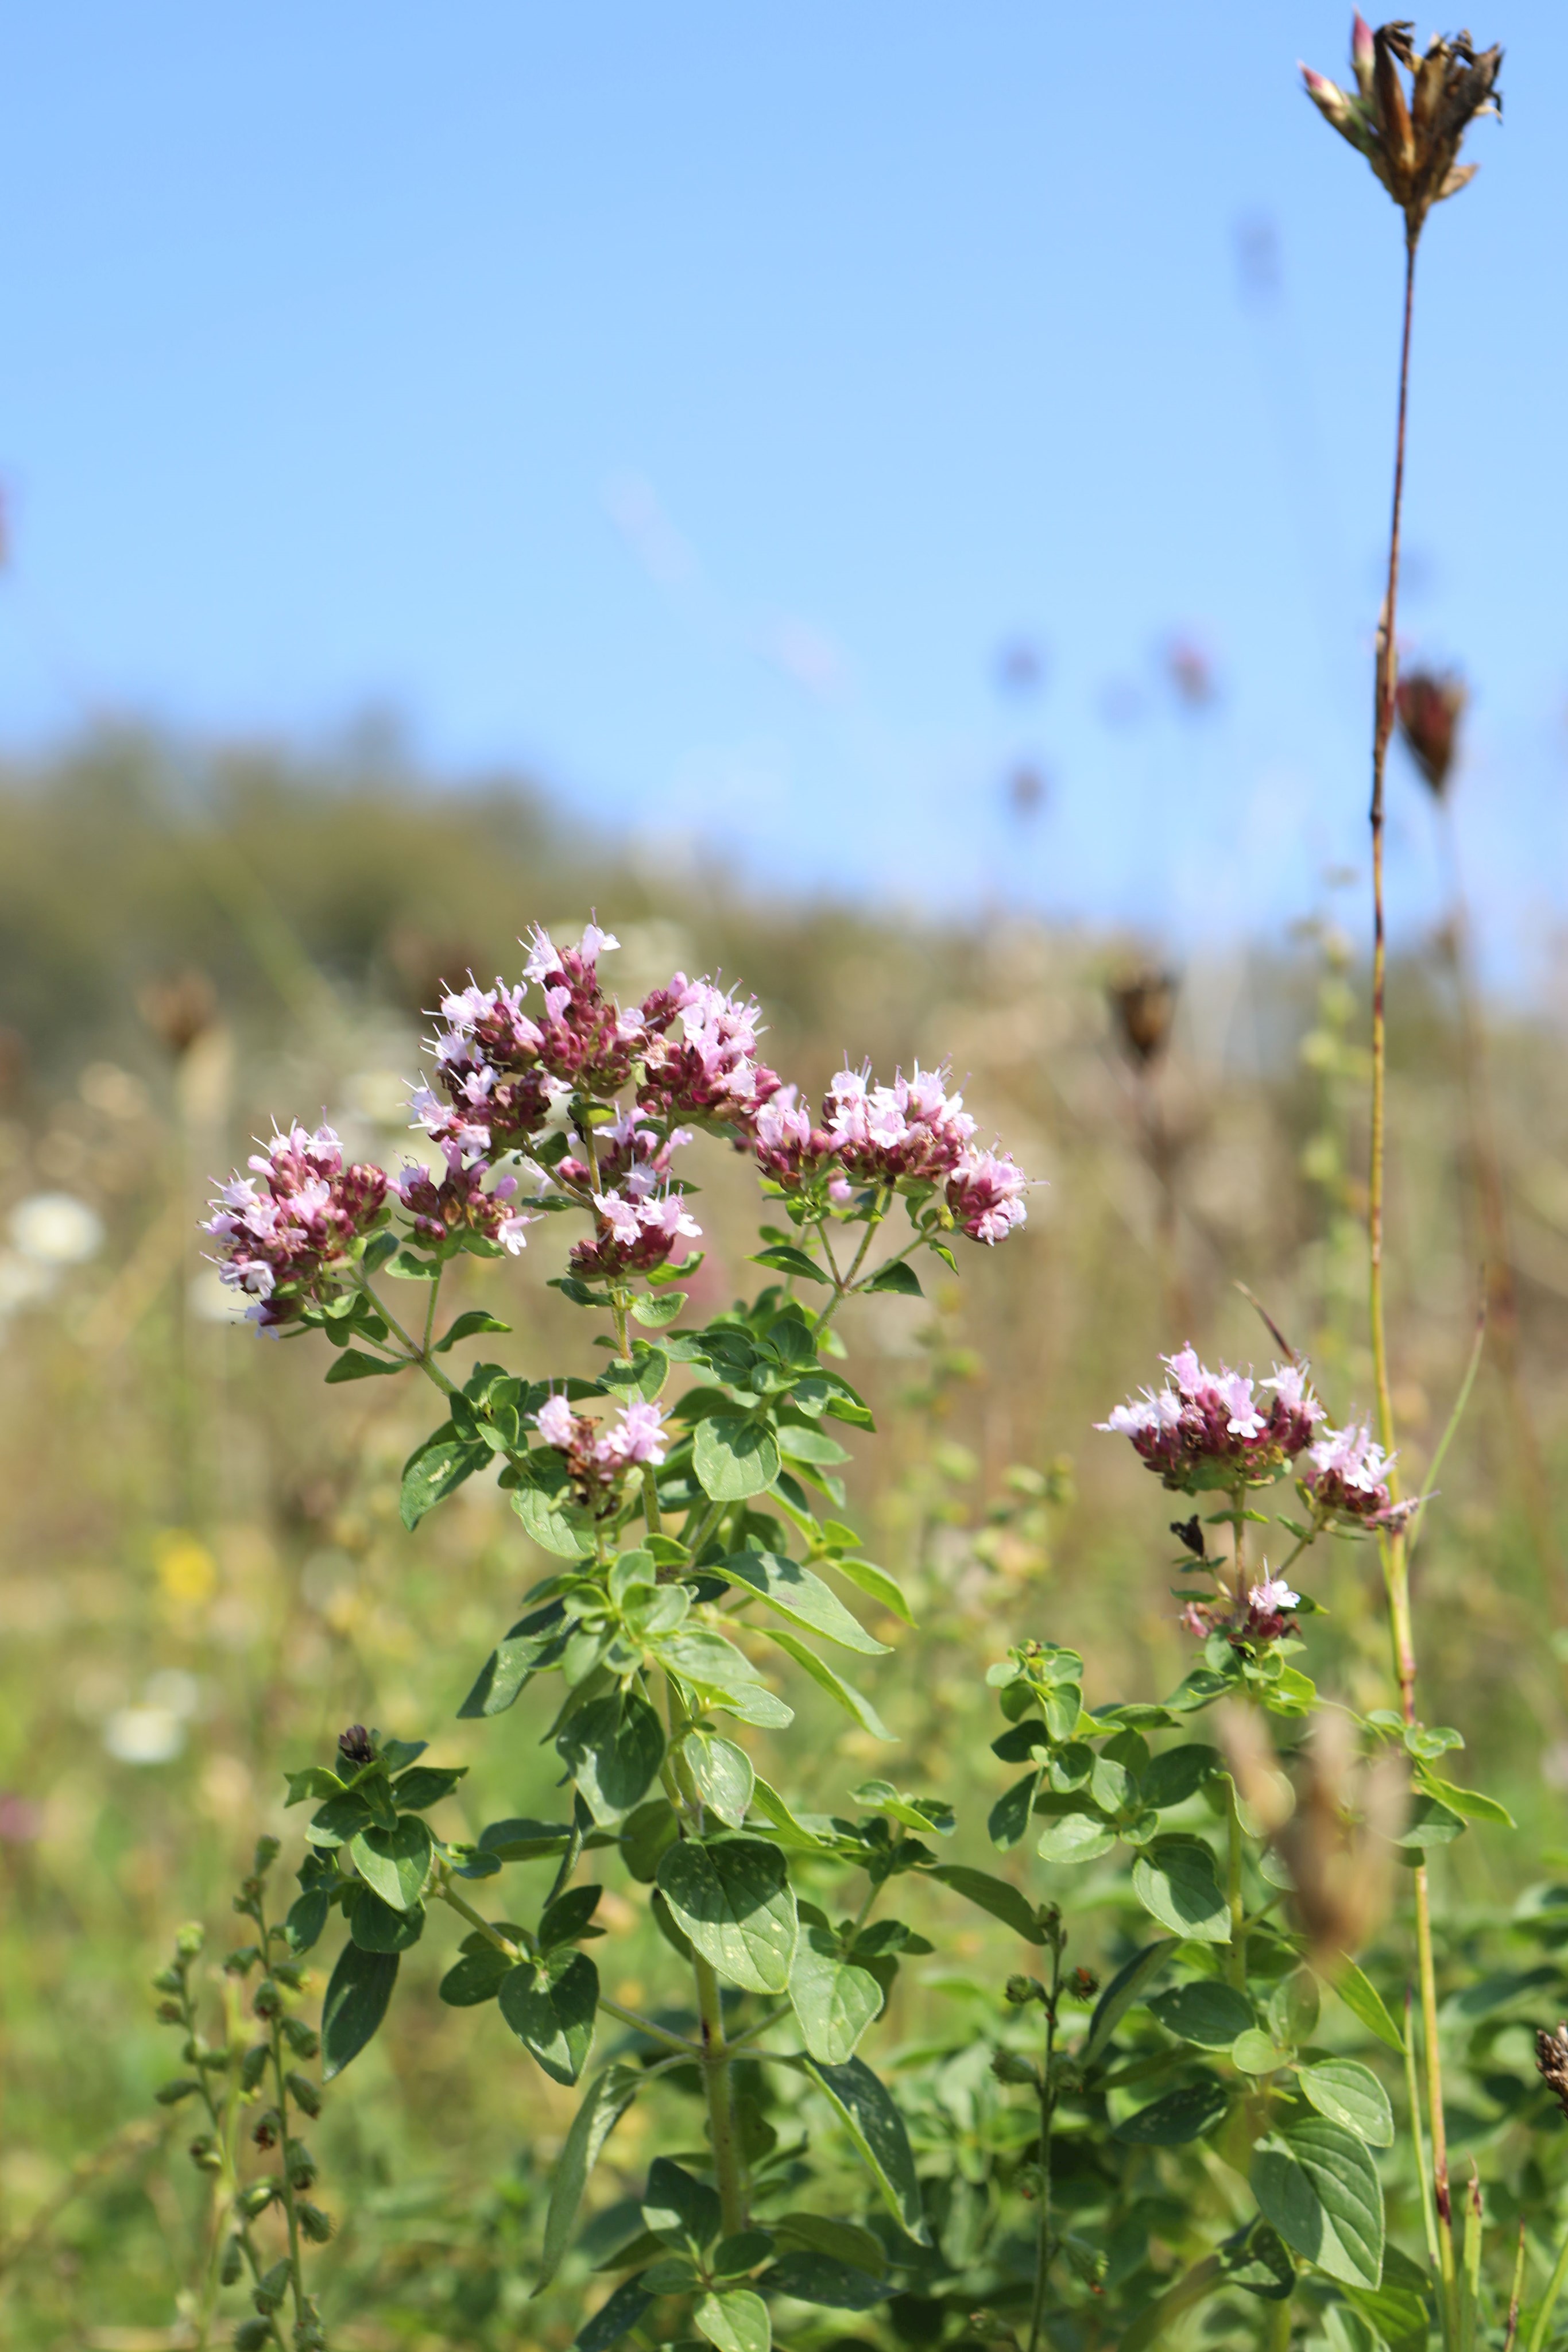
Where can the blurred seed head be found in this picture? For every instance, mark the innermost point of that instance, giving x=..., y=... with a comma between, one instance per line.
x=1333, y=1831
x=178, y=1008
x=1431, y=706
x=1411, y=139
x=1552, y=2063
x=1144, y=1007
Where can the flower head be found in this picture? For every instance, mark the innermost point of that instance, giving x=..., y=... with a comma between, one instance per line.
x=1207, y=1428
x=1347, y=1477
x=283, y=1232
x=1411, y=141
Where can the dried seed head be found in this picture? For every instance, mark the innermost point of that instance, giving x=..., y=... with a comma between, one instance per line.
x=355, y=1745
x=1411, y=139
x=1431, y=708
x=1552, y=2063
x=1144, y=1006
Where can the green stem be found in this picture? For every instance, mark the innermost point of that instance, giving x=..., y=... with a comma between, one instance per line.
x=1436, y=2118
x=844, y=1285
x=286, y=2186
x=1043, y=2248
x=1236, y=1958
x=727, y=2163
x=677, y=2041
x=1548, y=2301
x=1413, y=2093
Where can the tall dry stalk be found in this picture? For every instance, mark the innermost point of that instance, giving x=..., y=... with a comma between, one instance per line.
x=1412, y=142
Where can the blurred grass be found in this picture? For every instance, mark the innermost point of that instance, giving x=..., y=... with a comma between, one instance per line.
x=197, y=1531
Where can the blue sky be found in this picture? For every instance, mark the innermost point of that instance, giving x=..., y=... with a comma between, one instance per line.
x=688, y=404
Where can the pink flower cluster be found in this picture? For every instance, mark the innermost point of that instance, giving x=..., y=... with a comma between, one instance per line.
x=1202, y=1422
x=596, y=1458
x=277, y=1238
x=1267, y=1615
x=459, y=1204
x=1349, y=1476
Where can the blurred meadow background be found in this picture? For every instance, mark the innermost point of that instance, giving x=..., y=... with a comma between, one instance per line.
x=386, y=405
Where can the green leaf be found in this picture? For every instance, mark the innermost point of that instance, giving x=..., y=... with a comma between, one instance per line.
x=801, y=1597
x=608, y=2097
x=874, y=2125
x=1206, y=2012
x=355, y=2004
x=834, y=2000
x=734, y=2320
x=1365, y=2004
x=996, y=1895
x=733, y=1458
x=1468, y=1802
x=434, y=1471
x=354, y=1365
x=468, y=1326
x=314, y=1782
x=566, y=1529
x=843, y=2243
x=615, y=2319
x=504, y=1673
x=1316, y=2183
x=307, y=1918
x=395, y=1863
x=1431, y=1823
x=720, y=1672
x=720, y=1774
x=852, y=1701
x=784, y=1259
x=899, y=1277
x=564, y=1920
x=1293, y=2007
x=1171, y=1778
x=809, y=2277
x=475, y=1978
x=1174, y=1878
x=645, y=1836
x=1257, y=2052
x=1008, y=1817
x=1075, y=1834
x=655, y=1313
x=766, y=1800
x=550, y=2006
x=375, y=1926
x=612, y=1748
x=426, y=1784
x=1181, y=2116
x=813, y=1445
x=1350, y=2093
x=679, y=2207
x=733, y=1900
x=1125, y=1988
x=875, y=1583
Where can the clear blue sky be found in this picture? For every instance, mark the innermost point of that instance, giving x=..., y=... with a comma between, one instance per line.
x=686, y=404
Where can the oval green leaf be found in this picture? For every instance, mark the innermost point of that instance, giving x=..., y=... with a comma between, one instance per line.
x=1175, y=1879
x=1350, y=2093
x=1316, y=2183
x=551, y=2007
x=394, y=1863
x=356, y=2004
x=733, y=1900
x=733, y=1458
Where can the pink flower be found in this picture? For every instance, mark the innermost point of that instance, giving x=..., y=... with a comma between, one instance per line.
x=283, y=1242
x=1203, y=1420
x=986, y=1193
x=1349, y=1479
x=640, y=1437
x=1274, y=1598
x=557, y=1424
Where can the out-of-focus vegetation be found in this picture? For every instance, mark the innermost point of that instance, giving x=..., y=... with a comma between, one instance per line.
x=204, y=1576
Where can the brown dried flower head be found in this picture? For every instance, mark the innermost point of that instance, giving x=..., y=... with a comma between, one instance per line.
x=1552, y=2063
x=1411, y=141
x=1431, y=708
x=1144, y=1007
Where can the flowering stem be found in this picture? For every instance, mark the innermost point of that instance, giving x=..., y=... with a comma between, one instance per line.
x=286, y=2186
x=225, y=2124
x=844, y=1284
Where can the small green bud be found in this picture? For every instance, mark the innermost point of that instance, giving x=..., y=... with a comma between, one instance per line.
x=252, y=2333
x=304, y=2092
x=169, y=2012
x=1019, y=1989
x=189, y=1939
x=233, y=2263
x=317, y=2225
x=257, y=2198
x=302, y=2039
x=289, y=1973
x=254, y=2066
x=1008, y=2067
x=264, y=2131
x=268, y=2000
x=271, y=2287
x=268, y=1850
x=309, y=2335
x=243, y=1959
x=169, y=2094
x=300, y=2165
x=204, y=2155
x=168, y=1980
